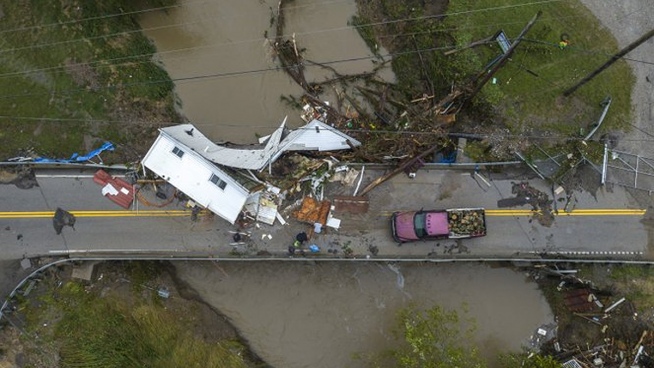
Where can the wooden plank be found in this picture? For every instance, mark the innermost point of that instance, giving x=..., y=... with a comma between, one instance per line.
x=351, y=204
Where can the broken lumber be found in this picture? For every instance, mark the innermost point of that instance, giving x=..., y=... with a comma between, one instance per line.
x=398, y=170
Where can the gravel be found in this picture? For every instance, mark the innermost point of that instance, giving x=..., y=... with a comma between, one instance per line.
x=627, y=20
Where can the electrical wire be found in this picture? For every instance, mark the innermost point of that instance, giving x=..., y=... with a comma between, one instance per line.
x=105, y=36
x=105, y=63
x=219, y=75
x=62, y=68
x=245, y=72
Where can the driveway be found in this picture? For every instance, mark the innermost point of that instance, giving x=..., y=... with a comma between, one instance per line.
x=628, y=20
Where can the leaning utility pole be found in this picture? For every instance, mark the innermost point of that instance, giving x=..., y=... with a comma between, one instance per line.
x=506, y=56
x=615, y=58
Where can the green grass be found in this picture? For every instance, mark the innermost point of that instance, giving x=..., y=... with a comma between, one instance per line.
x=526, y=100
x=103, y=331
x=535, y=102
x=634, y=282
x=55, y=109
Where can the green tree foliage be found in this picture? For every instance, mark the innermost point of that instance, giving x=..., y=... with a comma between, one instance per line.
x=96, y=331
x=440, y=338
x=433, y=338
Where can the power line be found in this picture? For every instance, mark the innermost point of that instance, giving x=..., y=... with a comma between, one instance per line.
x=122, y=33
x=238, y=73
x=61, y=68
x=246, y=41
x=216, y=75
x=48, y=25
x=210, y=19
x=135, y=12
x=464, y=12
x=229, y=74
x=375, y=131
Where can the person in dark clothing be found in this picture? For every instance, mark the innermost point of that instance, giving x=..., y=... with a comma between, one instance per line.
x=301, y=237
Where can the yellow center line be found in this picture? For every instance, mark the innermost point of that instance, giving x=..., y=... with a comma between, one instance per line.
x=576, y=212
x=117, y=213
x=178, y=213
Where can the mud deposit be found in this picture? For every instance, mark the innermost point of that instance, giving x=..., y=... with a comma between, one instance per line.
x=321, y=314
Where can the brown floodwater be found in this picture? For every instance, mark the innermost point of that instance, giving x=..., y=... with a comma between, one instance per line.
x=322, y=314
x=226, y=78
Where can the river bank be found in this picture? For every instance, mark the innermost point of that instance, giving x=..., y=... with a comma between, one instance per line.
x=116, y=314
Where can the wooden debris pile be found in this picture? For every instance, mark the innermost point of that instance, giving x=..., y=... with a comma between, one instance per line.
x=467, y=222
x=396, y=127
x=596, y=328
x=313, y=211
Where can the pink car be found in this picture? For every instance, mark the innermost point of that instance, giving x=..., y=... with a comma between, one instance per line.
x=438, y=224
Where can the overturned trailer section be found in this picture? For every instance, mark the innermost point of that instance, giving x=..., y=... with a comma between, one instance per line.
x=190, y=172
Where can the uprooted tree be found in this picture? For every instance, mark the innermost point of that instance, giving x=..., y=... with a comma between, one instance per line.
x=404, y=122
x=432, y=91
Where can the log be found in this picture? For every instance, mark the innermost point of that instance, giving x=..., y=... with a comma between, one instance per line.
x=398, y=170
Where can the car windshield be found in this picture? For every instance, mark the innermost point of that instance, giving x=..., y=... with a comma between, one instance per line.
x=419, y=224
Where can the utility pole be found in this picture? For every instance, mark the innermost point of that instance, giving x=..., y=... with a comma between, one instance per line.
x=615, y=58
x=506, y=56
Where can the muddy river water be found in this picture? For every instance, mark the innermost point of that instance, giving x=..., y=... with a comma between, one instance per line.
x=219, y=53
x=321, y=315
x=310, y=315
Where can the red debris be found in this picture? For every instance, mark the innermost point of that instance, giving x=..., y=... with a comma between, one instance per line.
x=117, y=190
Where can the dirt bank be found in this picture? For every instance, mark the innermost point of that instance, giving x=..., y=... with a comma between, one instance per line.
x=140, y=291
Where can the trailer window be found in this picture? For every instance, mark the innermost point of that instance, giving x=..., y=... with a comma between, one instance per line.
x=178, y=152
x=218, y=181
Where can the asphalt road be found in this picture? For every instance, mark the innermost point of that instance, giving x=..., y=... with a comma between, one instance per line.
x=597, y=228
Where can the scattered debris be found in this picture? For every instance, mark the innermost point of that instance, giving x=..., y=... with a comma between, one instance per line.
x=84, y=271
x=21, y=176
x=590, y=335
x=525, y=194
x=75, y=158
x=313, y=211
x=25, y=263
x=63, y=218
x=333, y=222
x=580, y=300
x=351, y=204
x=117, y=190
x=267, y=209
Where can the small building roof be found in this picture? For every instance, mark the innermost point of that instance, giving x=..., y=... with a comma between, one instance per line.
x=317, y=136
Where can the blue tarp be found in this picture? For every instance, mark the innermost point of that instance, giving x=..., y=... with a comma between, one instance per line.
x=446, y=158
x=76, y=158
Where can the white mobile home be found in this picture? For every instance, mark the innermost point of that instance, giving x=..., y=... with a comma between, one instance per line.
x=187, y=170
